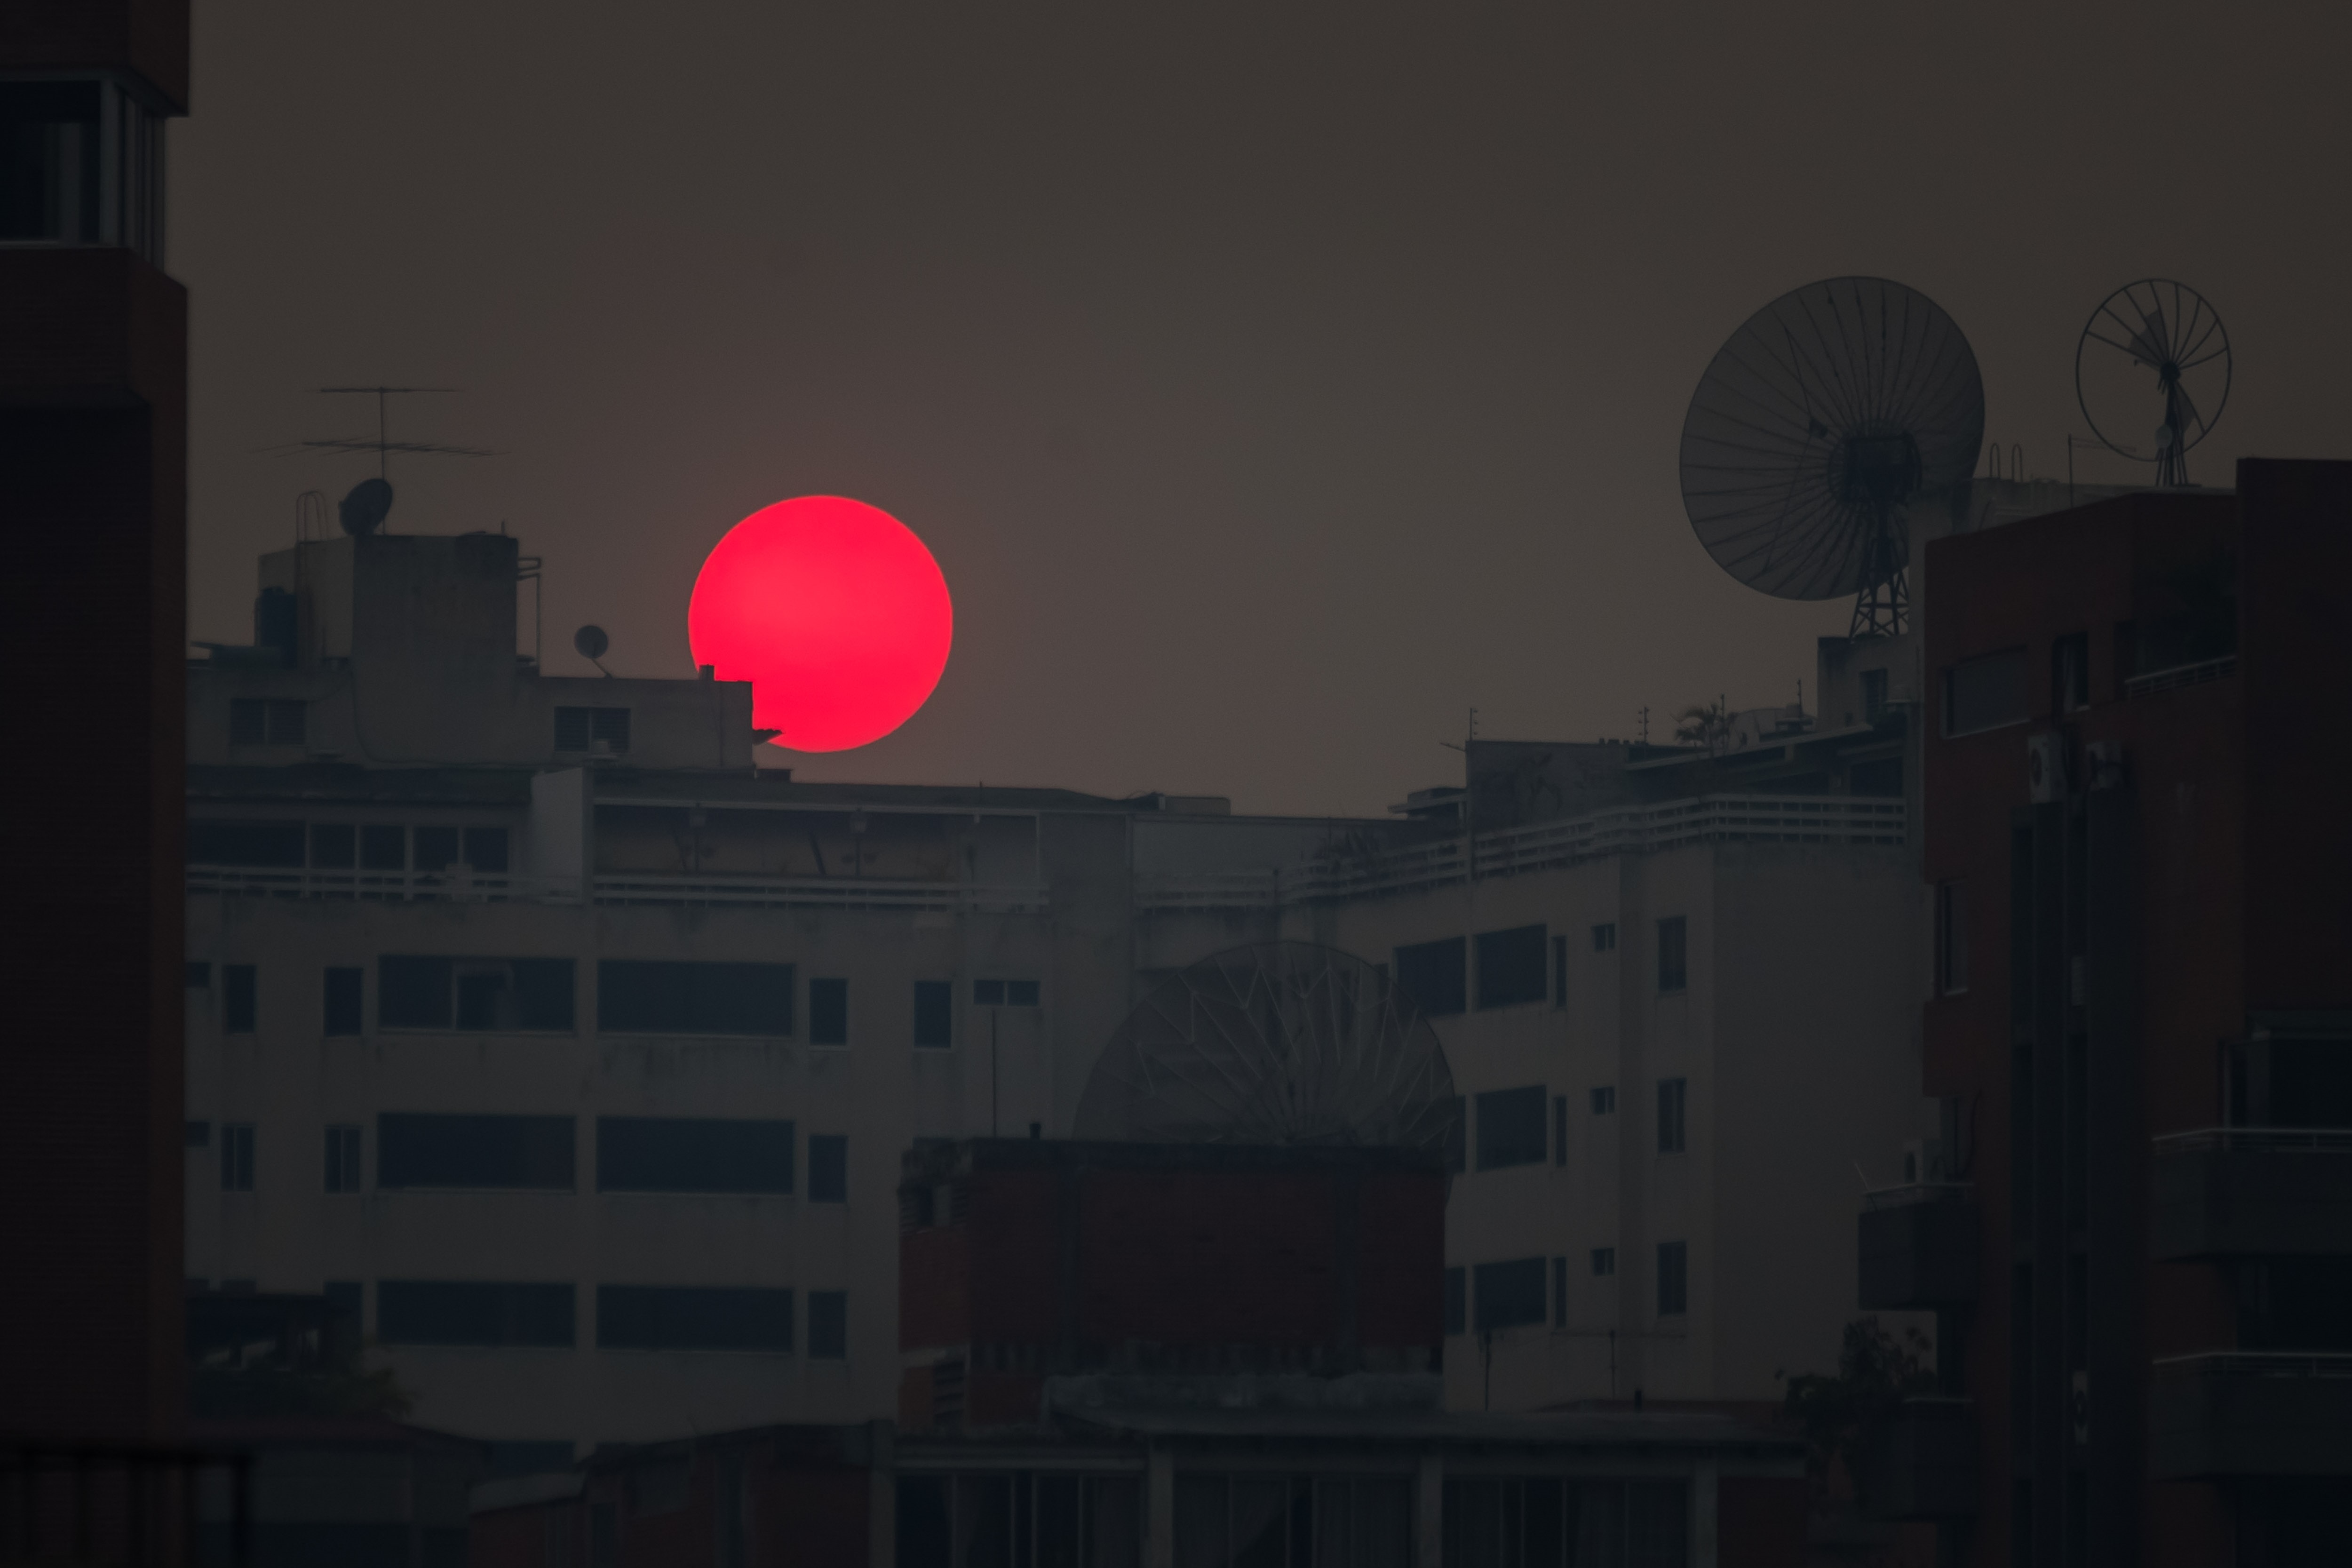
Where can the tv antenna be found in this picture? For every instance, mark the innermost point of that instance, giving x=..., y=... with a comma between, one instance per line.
x=2156, y=329
x=1815, y=426
x=370, y=501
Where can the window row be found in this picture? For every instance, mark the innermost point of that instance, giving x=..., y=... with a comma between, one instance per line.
x=1511, y=1294
x=507, y=1315
x=285, y=721
x=538, y=1153
x=633, y=997
x=1509, y=1123
x=1512, y=966
x=387, y=847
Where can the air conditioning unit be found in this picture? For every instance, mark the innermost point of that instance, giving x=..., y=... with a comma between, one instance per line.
x=2045, y=768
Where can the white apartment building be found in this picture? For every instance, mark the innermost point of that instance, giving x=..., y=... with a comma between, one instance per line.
x=577, y=1057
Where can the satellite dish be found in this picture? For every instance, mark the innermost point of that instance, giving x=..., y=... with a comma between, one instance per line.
x=364, y=510
x=590, y=643
x=1275, y=1041
x=2159, y=337
x=1825, y=414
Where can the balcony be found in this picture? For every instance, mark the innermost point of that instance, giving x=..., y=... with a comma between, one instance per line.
x=2250, y=1412
x=1922, y=1463
x=1918, y=1248
x=2251, y=1191
x=458, y=885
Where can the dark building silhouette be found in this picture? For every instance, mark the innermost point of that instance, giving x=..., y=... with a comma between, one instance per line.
x=2140, y=1238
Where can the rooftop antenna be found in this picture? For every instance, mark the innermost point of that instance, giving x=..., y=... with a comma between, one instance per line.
x=1815, y=426
x=2159, y=330
x=370, y=501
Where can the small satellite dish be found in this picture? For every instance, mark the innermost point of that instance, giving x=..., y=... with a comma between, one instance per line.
x=2161, y=332
x=590, y=643
x=1816, y=424
x=364, y=510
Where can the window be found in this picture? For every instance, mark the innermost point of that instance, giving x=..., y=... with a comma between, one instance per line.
x=637, y=996
x=473, y=1312
x=1674, y=954
x=1873, y=696
x=482, y=994
x=84, y=163
x=1604, y=937
x=334, y=845
x=1004, y=992
x=244, y=843
x=692, y=1318
x=1604, y=1261
x=934, y=1014
x=1673, y=1279
x=485, y=849
x=1509, y=1295
x=828, y=1012
x=1491, y=1521
x=828, y=1168
x=237, y=1156
x=1559, y=1292
x=1985, y=693
x=240, y=997
x=198, y=1135
x=346, y=1299
x=1951, y=938
x=1511, y=966
x=829, y=1325
x=265, y=720
x=1604, y=1099
x=1560, y=1129
x=1511, y=1128
x=1559, y=972
x=421, y=1150
x=1457, y=1133
x=1881, y=777
x=591, y=730
x=1457, y=1306
x=383, y=846
x=2070, y=674
x=692, y=1155
x=1434, y=975
x=1672, y=1097
x=198, y=974
x=343, y=1011
x=342, y=1159
x=437, y=847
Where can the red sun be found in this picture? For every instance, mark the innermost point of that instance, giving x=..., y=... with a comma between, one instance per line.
x=834, y=613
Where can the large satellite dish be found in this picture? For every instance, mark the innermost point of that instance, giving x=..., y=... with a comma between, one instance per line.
x=2154, y=350
x=1276, y=1042
x=363, y=511
x=1823, y=416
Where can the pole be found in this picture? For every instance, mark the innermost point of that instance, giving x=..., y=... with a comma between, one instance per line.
x=992, y=1073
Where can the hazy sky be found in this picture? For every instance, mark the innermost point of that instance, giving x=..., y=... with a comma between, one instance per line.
x=1273, y=383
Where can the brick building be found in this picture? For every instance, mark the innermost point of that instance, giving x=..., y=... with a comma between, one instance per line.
x=2142, y=1035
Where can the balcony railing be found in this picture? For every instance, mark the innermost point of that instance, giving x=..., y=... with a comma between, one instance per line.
x=2260, y=1364
x=1909, y=1192
x=2224, y=1414
x=460, y=886
x=2180, y=675
x=2258, y=1141
x=2251, y=1191
x=1837, y=819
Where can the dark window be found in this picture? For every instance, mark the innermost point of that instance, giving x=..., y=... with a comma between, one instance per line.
x=421, y=993
x=1674, y=954
x=1985, y=693
x=1673, y=1279
x=1509, y=1295
x=692, y=1155
x=1560, y=1129
x=1873, y=696
x=342, y=1159
x=828, y=1168
x=345, y=1306
x=1434, y=975
x=828, y=1012
x=1604, y=937
x=636, y=996
x=1559, y=972
x=592, y=729
x=1604, y=1099
x=240, y=997
x=1457, y=1133
x=934, y=1013
x=244, y=843
x=1457, y=1308
x=1510, y=966
x=1672, y=1094
x=334, y=845
x=1559, y=1292
x=1511, y=1127
x=343, y=1009
x=988, y=993
x=2070, y=674
x=437, y=848
x=472, y=1312
x=237, y=1156
x=383, y=846
x=198, y=974
x=265, y=720
x=1951, y=937
x=423, y=1151
x=829, y=1325
x=199, y=1135
x=1883, y=777
x=485, y=849
x=1604, y=1260
x=690, y=1318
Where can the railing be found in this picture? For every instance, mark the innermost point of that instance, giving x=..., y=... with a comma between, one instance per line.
x=459, y=886
x=1909, y=1192
x=456, y=885
x=2180, y=675
x=2258, y=1140
x=2261, y=1363
x=1644, y=829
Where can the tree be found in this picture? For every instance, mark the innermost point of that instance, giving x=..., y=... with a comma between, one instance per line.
x=1839, y=1414
x=1707, y=725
